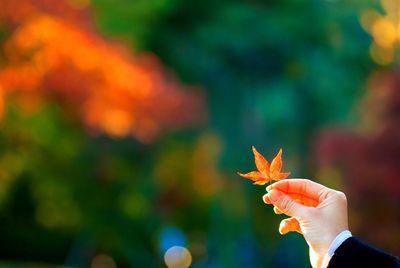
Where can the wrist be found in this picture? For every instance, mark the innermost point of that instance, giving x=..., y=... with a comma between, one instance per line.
x=339, y=239
x=334, y=235
x=335, y=244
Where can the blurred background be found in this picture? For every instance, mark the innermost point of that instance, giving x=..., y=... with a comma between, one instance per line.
x=124, y=122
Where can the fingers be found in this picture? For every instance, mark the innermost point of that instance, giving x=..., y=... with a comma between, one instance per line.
x=302, y=199
x=289, y=225
x=266, y=199
x=277, y=211
x=286, y=204
x=304, y=187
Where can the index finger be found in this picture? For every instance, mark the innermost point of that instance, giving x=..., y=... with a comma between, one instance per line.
x=304, y=187
x=302, y=199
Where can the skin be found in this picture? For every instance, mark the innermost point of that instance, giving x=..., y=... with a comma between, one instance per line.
x=317, y=212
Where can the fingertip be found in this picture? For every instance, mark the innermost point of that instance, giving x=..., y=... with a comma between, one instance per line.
x=266, y=199
x=283, y=232
x=283, y=227
x=289, y=225
x=275, y=195
x=277, y=211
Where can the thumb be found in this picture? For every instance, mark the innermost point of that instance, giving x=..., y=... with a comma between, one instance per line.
x=286, y=204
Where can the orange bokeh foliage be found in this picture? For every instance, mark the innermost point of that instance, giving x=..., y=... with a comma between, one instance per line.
x=53, y=53
x=266, y=172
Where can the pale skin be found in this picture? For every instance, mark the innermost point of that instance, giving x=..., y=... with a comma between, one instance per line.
x=317, y=212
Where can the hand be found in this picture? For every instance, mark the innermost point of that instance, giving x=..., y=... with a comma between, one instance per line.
x=316, y=212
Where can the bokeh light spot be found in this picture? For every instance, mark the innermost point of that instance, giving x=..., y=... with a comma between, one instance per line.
x=380, y=55
x=368, y=18
x=384, y=32
x=178, y=257
x=103, y=261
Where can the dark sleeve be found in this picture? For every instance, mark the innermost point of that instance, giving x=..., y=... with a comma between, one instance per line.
x=355, y=253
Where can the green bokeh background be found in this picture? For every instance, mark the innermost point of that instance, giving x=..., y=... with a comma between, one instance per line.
x=275, y=73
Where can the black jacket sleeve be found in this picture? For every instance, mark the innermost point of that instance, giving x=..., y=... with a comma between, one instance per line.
x=355, y=253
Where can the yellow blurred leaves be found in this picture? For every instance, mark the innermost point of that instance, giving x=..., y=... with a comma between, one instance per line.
x=207, y=178
x=56, y=206
x=11, y=166
x=385, y=30
x=79, y=4
x=134, y=204
x=191, y=169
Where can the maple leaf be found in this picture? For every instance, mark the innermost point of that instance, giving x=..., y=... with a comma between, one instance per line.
x=266, y=172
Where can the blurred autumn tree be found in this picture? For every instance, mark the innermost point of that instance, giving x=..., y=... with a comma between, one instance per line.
x=48, y=55
x=58, y=76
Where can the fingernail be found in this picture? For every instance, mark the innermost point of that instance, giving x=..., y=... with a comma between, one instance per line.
x=274, y=195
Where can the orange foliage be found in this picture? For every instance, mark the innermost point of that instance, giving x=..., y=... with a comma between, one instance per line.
x=266, y=172
x=1, y=103
x=53, y=55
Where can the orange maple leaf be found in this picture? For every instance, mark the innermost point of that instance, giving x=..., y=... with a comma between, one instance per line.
x=266, y=172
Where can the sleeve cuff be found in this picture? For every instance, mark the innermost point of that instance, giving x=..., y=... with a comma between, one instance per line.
x=337, y=242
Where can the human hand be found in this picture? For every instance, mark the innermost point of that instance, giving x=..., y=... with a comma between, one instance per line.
x=317, y=212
